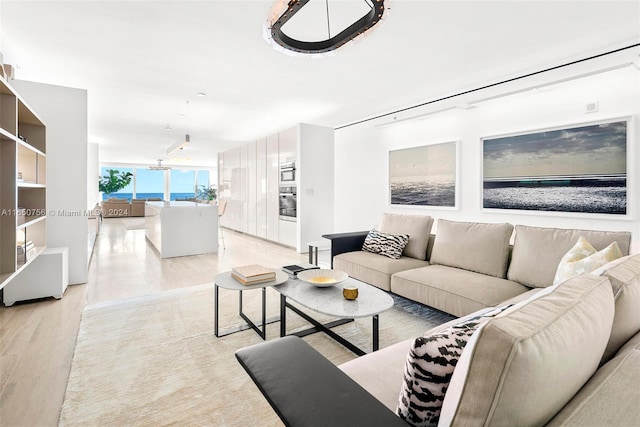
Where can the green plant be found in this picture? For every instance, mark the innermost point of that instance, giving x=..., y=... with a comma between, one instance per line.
x=206, y=193
x=113, y=182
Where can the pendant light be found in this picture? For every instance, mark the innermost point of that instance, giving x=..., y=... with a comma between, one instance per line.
x=187, y=138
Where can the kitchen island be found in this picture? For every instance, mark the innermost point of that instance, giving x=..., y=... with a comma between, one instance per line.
x=182, y=228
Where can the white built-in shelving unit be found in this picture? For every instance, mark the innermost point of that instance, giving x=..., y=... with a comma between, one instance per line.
x=23, y=187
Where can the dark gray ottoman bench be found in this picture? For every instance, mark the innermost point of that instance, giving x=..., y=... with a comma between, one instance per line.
x=306, y=389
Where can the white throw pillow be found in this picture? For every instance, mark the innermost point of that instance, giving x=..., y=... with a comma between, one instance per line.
x=584, y=258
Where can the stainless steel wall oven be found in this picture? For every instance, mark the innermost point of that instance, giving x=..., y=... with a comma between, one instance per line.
x=288, y=203
x=288, y=173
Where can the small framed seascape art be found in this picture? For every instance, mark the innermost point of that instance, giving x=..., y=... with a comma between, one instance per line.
x=578, y=169
x=424, y=176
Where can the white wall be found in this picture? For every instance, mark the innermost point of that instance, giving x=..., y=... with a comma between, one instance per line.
x=93, y=172
x=64, y=112
x=361, y=151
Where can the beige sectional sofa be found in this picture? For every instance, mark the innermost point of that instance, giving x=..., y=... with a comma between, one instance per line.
x=567, y=355
x=466, y=266
x=116, y=208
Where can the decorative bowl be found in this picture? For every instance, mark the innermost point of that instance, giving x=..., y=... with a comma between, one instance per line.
x=322, y=278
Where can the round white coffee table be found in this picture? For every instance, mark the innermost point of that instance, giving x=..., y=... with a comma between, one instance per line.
x=371, y=302
x=226, y=281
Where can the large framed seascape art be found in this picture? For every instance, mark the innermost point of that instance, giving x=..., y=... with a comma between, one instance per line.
x=424, y=176
x=577, y=169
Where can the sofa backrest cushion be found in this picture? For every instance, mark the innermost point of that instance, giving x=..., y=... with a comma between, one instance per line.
x=418, y=227
x=624, y=275
x=523, y=366
x=473, y=246
x=537, y=251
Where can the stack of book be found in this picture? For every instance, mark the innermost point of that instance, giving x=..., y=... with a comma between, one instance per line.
x=252, y=274
x=25, y=250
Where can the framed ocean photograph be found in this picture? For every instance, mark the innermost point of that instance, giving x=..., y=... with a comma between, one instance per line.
x=577, y=169
x=424, y=176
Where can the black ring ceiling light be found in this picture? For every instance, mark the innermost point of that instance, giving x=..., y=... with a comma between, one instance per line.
x=353, y=31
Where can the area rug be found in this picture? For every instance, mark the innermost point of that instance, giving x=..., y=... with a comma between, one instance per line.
x=154, y=360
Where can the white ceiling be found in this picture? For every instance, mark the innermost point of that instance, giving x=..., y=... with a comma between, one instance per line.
x=141, y=61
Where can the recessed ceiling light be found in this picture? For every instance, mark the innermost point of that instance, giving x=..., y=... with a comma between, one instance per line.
x=201, y=94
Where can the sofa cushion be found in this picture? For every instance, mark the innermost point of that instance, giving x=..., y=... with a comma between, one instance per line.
x=547, y=246
x=454, y=290
x=373, y=268
x=418, y=227
x=389, y=245
x=430, y=363
x=116, y=208
x=523, y=366
x=473, y=246
x=624, y=275
x=584, y=258
x=632, y=345
x=381, y=372
x=610, y=398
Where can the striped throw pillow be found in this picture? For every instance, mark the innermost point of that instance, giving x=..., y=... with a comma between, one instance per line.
x=429, y=368
x=390, y=245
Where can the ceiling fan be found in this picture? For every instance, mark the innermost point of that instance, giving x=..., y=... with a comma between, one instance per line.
x=159, y=166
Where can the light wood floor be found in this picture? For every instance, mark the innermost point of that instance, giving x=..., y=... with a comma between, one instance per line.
x=37, y=339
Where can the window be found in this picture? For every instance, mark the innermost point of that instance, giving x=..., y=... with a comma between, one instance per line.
x=183, y=184
x=149, y=184
x=203, y=178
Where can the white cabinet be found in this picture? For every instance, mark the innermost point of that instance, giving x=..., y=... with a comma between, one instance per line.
x=235, y=209
x=181, y=228
x=315, y=184
x=288, y=233
x=48, y=276
x=261, y=188
x=288, y=146
x=252, y=194
x=250, y=182
x=273, y=188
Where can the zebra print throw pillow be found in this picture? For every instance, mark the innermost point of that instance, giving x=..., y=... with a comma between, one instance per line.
x=390, y=245
x=429, y=367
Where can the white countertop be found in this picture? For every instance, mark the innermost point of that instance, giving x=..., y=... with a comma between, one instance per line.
x=174, y=204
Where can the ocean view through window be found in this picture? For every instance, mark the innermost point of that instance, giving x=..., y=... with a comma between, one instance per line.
x=150, y=184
